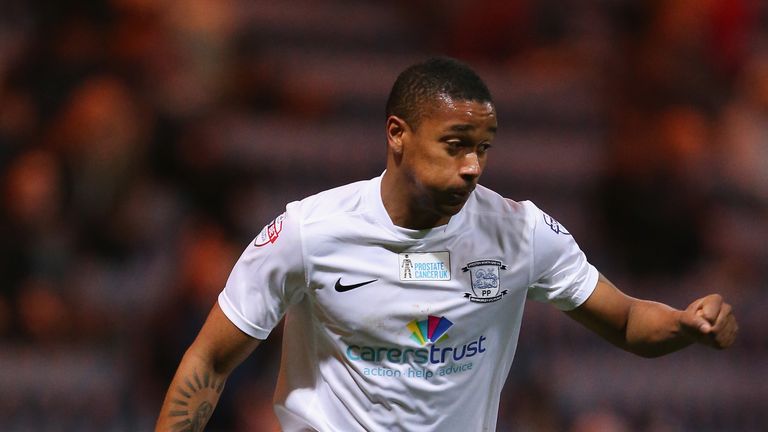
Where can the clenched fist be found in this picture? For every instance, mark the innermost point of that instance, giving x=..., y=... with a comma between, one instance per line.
x=710, y=321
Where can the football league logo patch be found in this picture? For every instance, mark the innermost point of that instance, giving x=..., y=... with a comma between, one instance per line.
x=270, y=233
x=485, y=280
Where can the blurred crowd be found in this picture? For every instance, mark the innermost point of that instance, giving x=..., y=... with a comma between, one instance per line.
x=131, y=178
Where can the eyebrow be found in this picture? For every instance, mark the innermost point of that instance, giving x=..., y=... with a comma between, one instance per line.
x=465, y=127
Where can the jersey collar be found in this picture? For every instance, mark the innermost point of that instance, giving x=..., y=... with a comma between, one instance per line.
x=381, y=217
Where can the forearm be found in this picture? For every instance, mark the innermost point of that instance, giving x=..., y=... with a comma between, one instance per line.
x=653, y=329
x=645, y=328
x=192, y=395
x=199, y=380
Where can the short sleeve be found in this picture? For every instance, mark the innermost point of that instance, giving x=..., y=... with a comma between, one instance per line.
x=267, y=278
x=561, y=274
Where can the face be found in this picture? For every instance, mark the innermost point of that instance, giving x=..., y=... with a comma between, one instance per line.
x=443, y=157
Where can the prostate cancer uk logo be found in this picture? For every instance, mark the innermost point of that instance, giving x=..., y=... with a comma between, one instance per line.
x=485, y=280
x=270, y=233
x=424, y=266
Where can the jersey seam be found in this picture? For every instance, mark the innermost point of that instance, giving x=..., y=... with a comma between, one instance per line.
x=310, y=301
x=532, y=264
x=304, y=267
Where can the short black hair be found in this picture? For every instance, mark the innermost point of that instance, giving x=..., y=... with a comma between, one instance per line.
x=424, y=82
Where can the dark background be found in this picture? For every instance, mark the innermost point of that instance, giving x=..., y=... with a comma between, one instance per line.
x=143, y=144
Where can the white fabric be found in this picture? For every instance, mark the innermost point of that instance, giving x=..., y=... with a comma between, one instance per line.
x=357, y=360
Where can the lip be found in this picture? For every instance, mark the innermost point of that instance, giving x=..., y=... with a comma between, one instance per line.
x=462, y=191
x=458, y=195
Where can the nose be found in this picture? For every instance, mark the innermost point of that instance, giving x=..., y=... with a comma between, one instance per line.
x=470, y=166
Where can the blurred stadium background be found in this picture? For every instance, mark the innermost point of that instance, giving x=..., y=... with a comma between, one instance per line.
x=144, y=143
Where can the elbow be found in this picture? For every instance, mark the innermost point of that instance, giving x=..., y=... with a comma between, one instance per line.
x=206, y=360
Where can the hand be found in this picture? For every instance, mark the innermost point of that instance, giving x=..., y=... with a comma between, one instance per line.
x=710, y=321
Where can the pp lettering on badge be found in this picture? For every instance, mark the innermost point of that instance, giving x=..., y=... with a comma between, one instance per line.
x=424, y=266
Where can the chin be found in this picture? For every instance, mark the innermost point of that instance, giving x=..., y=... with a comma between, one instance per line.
x=451, y=209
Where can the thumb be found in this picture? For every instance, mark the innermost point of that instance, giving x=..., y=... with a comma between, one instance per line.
x=695, y=321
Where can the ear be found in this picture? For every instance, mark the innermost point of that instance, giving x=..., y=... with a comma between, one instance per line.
x=397, y=128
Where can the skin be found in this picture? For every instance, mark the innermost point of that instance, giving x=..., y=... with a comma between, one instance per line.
x=432, y=167
x=194, y=392
x=652, y=329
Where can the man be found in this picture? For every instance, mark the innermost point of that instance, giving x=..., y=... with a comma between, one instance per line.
x=407, y=265
x=365, y=348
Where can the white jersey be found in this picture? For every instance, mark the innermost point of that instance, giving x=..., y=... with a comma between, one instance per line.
x=391, y=329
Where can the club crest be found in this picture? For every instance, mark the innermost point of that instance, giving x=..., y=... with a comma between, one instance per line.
x=485, y=280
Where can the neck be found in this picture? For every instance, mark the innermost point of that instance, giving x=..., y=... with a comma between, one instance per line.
x=405, y=209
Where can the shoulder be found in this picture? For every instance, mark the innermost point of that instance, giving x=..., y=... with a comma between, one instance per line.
x=490, y=204
x=331, y=203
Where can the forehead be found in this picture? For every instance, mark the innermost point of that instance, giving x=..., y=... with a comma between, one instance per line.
x=446, y=111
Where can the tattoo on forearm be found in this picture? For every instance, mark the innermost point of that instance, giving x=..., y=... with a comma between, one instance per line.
x=193, y=404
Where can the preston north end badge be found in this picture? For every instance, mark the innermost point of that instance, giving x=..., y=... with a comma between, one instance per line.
x=485, y=280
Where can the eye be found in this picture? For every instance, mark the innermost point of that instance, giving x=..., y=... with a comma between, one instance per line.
x=483, y=148
x=453, y=145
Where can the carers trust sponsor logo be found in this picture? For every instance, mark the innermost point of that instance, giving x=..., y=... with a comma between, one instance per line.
x=431, y=334
x=433, y=357
x=429, y=330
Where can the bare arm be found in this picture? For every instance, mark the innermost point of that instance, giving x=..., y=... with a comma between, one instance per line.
x=199, y=380
x=652, y=329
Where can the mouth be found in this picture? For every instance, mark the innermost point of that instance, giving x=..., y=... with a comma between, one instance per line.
x=459, y=196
